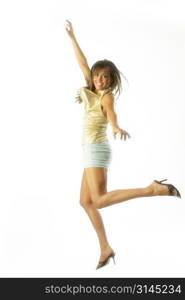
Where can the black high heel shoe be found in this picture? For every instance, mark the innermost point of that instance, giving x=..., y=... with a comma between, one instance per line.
x=171, y=188
x=106, y=261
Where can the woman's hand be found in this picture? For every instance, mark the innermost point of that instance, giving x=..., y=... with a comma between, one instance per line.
x=122, y=133
x=69, y=28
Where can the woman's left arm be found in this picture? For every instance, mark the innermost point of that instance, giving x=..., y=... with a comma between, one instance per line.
x=108, y=104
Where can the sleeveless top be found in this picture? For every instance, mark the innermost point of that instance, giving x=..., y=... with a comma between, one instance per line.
x=94, y=121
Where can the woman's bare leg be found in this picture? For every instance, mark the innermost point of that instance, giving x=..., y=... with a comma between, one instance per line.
x=95, y=218
x=101, y=198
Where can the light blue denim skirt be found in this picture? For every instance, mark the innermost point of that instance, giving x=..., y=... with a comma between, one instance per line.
x=97, y=155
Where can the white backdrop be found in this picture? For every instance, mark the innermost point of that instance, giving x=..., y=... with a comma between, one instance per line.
x=44, y=232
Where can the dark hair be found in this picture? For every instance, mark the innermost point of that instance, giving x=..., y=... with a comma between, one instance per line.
x=115, y=74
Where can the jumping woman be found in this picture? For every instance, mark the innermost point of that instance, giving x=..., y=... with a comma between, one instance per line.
x=103, y=82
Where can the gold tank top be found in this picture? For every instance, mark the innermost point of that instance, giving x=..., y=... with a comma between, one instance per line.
x=94, y=121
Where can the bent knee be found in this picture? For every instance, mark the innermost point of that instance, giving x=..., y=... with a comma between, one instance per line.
x=98, y=200
x=85, y=203
x=97, y=204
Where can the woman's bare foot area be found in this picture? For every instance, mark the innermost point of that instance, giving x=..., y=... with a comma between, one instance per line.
x=160, y=189
x=105, y=253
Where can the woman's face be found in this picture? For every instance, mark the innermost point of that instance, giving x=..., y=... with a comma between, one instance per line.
x=101, y=79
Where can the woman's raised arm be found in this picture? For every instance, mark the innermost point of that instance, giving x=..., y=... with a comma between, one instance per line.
x=82, y=61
